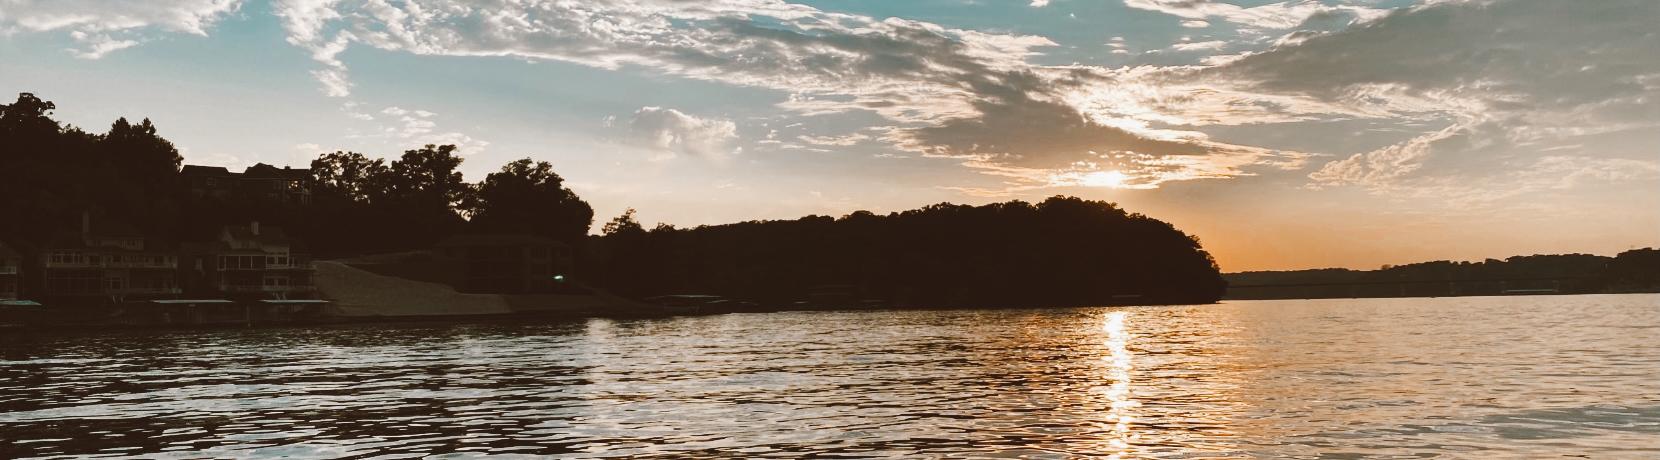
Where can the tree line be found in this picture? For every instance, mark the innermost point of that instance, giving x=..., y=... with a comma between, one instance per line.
x=51, y=173
x=1061, y=251
x=1636, y=270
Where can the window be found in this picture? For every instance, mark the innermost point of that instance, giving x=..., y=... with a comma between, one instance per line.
x=210, y=182
x=73, y=281
x=539, y=252
x=115, y=283
x=538, y=269
x=238, y=262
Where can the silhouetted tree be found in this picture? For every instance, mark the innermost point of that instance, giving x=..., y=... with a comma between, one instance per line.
x=527, y=197
x=50, y=174
x=142, y=156
x=1637, y=270
x=426, y=178
x=348, y=177
x=624, y=225
x=1063, y=251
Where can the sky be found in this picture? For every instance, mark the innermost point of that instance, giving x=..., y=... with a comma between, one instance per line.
x=1292, y=135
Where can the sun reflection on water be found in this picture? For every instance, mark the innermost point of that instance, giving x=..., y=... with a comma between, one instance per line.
x=1122, y=403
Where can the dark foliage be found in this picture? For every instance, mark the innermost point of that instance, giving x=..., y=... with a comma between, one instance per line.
x=1636, y=270
x=1062, y=251
x=527, y=197
x=50, y=174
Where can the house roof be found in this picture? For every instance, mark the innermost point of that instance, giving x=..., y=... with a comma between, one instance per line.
x=74, y=240
x=205, y=171
x=202, y=248
x=497, y=239
x=267, y=235
x=216, y=247
x=100, y=228
x=262, y=170
x=6, y=252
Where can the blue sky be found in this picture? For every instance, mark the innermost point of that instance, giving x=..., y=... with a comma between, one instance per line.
x=1285, y=135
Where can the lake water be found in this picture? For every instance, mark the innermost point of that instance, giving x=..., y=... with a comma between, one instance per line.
x=1470, y=377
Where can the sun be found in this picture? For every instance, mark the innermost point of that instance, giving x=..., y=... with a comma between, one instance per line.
x=1114, y=179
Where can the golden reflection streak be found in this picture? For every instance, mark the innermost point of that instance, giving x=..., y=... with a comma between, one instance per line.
x=1118, y=390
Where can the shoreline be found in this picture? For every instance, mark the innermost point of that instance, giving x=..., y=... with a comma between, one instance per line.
x=555, y=317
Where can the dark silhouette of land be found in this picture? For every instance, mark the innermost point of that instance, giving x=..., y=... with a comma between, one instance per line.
x=1637, y=270
x=55, y=178
x=1061, y=251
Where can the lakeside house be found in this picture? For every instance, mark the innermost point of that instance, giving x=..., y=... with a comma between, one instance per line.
x=113, y=262
x=249, y=263
x=11, y=272
x=502, y=263
x=261, y=182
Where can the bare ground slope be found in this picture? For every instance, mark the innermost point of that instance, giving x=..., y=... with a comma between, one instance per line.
x=358, y=292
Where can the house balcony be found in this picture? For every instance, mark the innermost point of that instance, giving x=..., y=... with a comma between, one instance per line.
x=8, y=270
x=51, y=264
x=259, y=288
x=293, y=266
x=165, y=265
x=141, y=290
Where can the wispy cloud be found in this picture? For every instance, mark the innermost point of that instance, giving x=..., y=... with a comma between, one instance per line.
x=1210, y=45
x=1477, y=66
x=103, y=27
x=409, y=128
x=1463, y=79
x=835, y=140
x=669, y=132
x=931, y=80
x=1283, y=15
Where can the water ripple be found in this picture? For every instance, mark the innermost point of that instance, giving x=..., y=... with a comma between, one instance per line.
x=1513, y=377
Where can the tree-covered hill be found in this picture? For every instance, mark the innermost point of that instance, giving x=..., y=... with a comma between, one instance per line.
x=1062, y=251
x=51, y=174
x=1637, y=270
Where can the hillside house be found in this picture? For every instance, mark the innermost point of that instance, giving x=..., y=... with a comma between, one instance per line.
x=11, y=272
x=261, y=182
x=112, y=260
x=248, y=262
x=503, y=264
